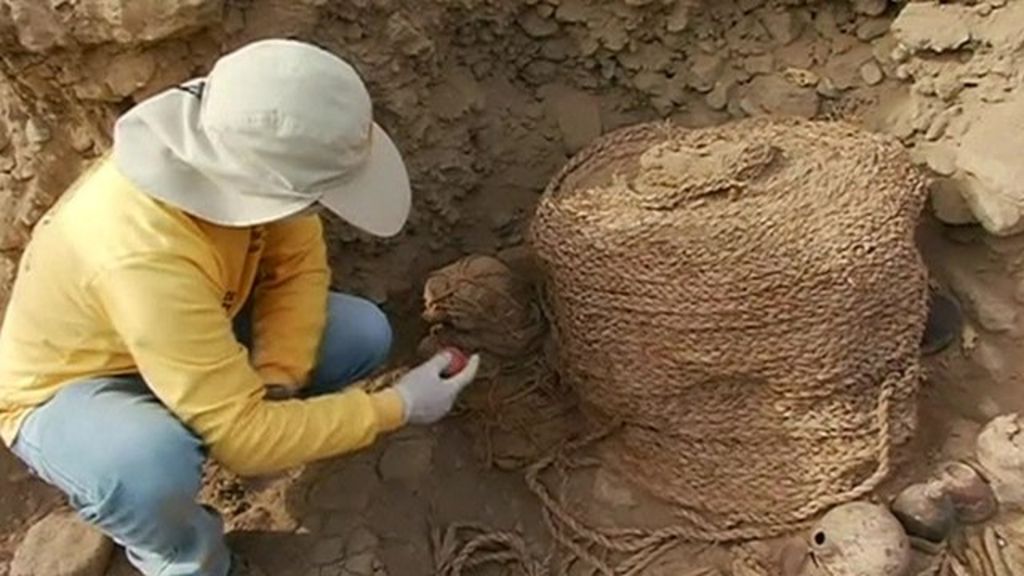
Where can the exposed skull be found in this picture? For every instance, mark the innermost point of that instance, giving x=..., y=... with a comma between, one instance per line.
x=859, y=539
x=479, y=304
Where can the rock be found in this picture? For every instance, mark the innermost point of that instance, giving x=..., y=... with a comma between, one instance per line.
x=935, y=27
x=679, y=19
x=750, y=5
x=940, y=158
x=785, y=26
x=361, y=554
x=536, y=26
x=129, y=72
x=845, y=69
x=62, y=545
x=775, y=95
x=43, y=26
x=994, y=173
x=870, y=7
x=872, y=28
x=948, y=203
x=982, y=301
x=871, y=73
x=704, y=71
x=407, y=460
x=719, y=96
x=760, y=64
x=37, y=132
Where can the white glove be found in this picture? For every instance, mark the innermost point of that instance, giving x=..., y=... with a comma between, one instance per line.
x=427, y=395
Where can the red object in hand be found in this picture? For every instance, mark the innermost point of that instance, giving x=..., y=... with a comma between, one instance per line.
x=457, y=364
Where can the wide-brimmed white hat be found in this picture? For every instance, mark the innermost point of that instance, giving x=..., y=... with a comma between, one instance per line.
x=275, y=127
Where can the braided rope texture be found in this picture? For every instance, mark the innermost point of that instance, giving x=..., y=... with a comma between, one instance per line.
x=747, y=302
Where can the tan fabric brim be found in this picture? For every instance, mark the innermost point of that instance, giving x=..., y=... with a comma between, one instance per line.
x=376, y=199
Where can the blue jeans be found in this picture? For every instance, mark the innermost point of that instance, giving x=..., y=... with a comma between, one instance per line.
x=129, y=467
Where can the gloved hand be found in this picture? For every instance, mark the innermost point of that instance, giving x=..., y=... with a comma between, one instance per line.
x=427, y=395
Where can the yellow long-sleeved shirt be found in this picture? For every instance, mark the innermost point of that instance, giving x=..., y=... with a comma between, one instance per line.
x=115, y=282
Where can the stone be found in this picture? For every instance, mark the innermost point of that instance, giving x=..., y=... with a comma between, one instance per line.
x=775, y=95
x=62, y=545
x=872, y=28
x=936, y=27
x=759, y=64
x=129, y=72
x=679, y=19
x=871, y=73
x=994, y=175
x=870, y=7
x=983, y=302
x=948, y=203
x=43, y=26
x=361, y=554
x=536, y=26
x=785, y=27
x=37, y=132
x=845, y=69
x=718, y=97
x=407, y=460
x=704, y=71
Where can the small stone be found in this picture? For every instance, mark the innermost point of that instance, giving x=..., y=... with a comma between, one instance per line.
x=704, y=71
x=983, y=302
x=948, y=203
x=845, y=69
x=750, y=5
x=536, y=26
x=872, y=73
x=718, y=98
x=872, y=28
x=130, y=72
x=37, y=132
x=940, y=158
x=870, y=7
x=361, y=554
x=62, y=545
x=775, y=95
x=785, y=27
x=679, y=19
x=761, y=64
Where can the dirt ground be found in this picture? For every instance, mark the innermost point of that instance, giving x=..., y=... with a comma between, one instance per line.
x=487, y=99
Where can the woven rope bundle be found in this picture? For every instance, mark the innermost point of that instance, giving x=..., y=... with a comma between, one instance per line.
x=747, y=301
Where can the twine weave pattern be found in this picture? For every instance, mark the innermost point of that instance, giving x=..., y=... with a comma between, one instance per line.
x=747, y=302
